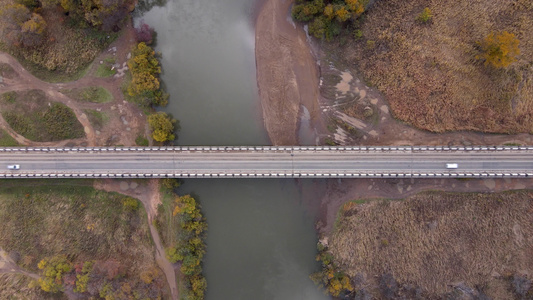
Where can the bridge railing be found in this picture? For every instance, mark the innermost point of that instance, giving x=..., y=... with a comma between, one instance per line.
x=266, y=148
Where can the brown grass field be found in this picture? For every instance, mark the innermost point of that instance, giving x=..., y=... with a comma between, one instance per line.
x=435, y=241
x=429, y=72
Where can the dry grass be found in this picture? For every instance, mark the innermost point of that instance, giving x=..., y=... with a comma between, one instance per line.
x=70, y=217
x=429, y=73
x=31, y=114
x=434, y=240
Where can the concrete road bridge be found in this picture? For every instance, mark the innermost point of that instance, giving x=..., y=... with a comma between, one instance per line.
x=267, y=162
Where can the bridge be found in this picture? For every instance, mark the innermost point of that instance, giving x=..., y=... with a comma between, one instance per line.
x=267, y=162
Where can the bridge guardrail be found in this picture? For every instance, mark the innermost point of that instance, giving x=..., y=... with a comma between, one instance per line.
x=268, y=148
x=274, y=175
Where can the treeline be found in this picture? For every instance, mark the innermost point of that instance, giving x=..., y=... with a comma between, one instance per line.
x=144, y=87
x=190, y=247
x=22, y=23
x=331, y=277
x=327, y=18
x=97, y=279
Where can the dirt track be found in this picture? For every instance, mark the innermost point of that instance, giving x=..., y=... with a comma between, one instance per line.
x=287, y=74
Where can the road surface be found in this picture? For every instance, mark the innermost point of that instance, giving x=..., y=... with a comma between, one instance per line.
x=260, y=162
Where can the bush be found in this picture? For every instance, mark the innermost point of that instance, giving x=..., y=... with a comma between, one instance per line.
x=141, y=141
x=130, y=204
x=9, y=97
x=172, y=255
x=499, y=50
x=331, y=278
x=145, y=34
x=425, y=16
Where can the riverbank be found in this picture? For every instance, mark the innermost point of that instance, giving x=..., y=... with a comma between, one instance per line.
x=287, y=73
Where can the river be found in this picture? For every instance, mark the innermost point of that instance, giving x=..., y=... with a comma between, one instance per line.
x=261, y=242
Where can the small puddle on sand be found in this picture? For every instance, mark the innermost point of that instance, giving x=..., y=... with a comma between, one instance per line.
x=344, y=85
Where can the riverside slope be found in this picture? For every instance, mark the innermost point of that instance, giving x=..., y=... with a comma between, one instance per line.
x=287, y=74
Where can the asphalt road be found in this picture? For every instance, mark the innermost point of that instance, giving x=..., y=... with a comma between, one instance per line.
x=287, y=163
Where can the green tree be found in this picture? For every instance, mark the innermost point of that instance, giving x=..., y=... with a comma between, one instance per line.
x=162, y=126
x=499, y=50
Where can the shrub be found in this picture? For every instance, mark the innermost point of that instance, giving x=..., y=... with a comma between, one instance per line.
x=144, y=34
x=357, y=34
x=141, y=141
x=425, y=16
x=171, y=183
x=9, y=97
x=172, y=255
x=499, y=50
x=130, y=204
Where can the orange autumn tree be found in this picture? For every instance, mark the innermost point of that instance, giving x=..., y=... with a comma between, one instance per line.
x=499, y=50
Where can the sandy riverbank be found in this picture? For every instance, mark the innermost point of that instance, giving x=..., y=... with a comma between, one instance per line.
x=287, y=74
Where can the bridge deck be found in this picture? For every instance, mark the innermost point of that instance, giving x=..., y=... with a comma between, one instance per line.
x=264, y=162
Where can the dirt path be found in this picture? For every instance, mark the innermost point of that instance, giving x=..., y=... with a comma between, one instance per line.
x=7, y=265
x=127, y=115
x=287, y=74
x=149, y=196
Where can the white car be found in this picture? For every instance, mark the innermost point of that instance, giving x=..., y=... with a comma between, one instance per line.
x=452, y=166
x=13, y=167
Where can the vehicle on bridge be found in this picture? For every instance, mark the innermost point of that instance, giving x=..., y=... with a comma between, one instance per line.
x=13, y=167
x=452, y=166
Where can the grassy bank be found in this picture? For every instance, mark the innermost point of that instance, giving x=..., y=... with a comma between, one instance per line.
x=435, y=245
x=32, y=115
x=182, y=229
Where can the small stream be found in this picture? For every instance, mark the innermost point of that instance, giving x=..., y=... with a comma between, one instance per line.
x=261, y=242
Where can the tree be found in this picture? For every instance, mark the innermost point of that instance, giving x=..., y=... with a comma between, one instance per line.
x=327, y=17
x=162, y=126
x=499, y=50
x=145, y=70
x=20, y=27
x=144, y=34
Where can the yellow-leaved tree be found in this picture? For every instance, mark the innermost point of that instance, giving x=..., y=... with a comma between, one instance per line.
x=162, y=126
x=499, y=50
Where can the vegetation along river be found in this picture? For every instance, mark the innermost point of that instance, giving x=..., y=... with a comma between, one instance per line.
x=261, y=242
